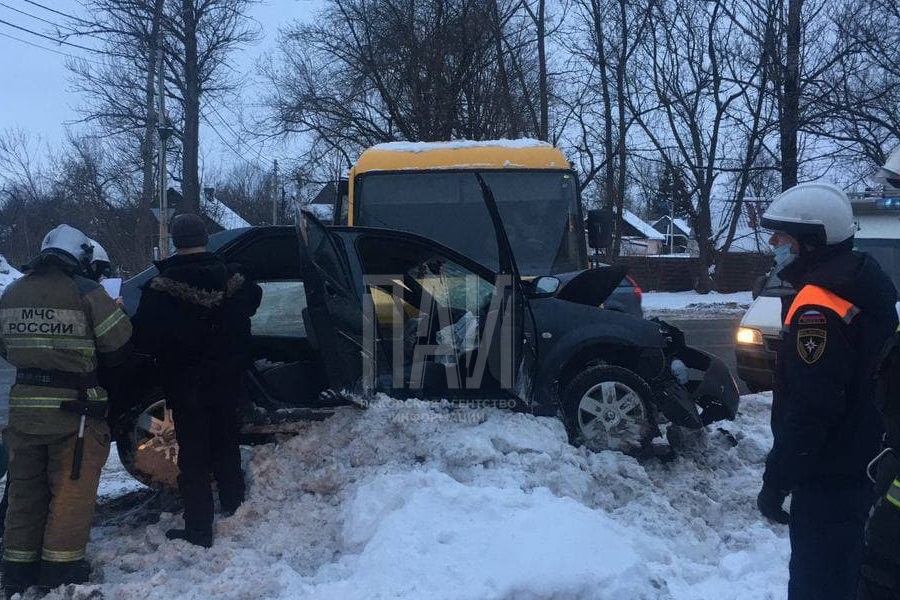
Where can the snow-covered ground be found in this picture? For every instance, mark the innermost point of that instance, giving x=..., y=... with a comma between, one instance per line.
x=412, y=500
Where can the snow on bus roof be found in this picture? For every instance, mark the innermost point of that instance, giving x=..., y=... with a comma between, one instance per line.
x=461, y=154
x=426, y=146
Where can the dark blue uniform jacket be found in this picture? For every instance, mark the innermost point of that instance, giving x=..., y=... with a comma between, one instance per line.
x=824, y=421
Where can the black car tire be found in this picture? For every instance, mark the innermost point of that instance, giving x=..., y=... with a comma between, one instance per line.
x=608, y=407
x=145, y=440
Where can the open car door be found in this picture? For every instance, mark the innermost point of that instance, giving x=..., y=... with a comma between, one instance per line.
x=448, y=326
x=333, y=316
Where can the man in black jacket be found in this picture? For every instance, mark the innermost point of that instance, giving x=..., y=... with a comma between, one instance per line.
x=824, y=423
x=194, y=317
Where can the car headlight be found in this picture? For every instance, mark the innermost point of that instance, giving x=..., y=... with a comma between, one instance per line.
x=746, y=335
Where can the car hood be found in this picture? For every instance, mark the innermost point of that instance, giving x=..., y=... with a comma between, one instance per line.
x=557, y=319
x=590, y=286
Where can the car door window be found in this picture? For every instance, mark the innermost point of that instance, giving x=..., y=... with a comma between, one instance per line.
x=441, y=315
x=280, y=313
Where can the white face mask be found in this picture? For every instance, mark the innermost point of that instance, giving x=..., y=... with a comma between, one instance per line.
x=783, y=256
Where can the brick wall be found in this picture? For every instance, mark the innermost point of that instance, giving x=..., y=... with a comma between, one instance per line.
x=736, y=271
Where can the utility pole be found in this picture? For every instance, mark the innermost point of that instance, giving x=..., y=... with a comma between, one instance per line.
x=164, y=129
x=672, y=228
x=275, y=194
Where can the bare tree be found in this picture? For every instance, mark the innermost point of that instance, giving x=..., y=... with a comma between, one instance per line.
x=613, y=31
x=688, y=103
x=196, y=37
x=374, y=71
x=806, y=58
x=868, y=97
x=82, y=185
x=120, y=89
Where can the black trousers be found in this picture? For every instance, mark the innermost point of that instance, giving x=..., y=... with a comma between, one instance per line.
x=206, y=427
x=827, y=531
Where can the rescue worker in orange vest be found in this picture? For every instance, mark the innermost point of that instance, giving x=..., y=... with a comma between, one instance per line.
x=68, y=341
x=824, y=423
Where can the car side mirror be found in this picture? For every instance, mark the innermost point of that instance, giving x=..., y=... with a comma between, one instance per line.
x=599, y=228
x=544, y=286
x=758, y=284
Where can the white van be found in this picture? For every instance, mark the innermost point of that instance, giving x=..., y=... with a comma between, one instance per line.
x=758, y=334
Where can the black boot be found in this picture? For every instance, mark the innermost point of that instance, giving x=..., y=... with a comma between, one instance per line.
x=55, y=574
x=18, y=576
x=230, y=500
x=198, y=535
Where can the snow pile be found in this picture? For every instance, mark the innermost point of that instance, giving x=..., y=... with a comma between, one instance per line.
x=711, y=305
x=413, y=500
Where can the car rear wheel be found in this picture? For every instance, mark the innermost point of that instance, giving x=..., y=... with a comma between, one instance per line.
x=607, y=407
x=146, y=442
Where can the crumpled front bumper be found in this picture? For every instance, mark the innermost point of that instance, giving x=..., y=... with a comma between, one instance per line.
x=706, y=392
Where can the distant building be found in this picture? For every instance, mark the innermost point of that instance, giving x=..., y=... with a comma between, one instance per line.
x=638, y=237
x=680, y=232
x=215, y=210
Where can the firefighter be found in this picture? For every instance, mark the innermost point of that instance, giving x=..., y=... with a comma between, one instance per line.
x=67, y=339
x=824, y=424
x=880, y=575
x=100, y=268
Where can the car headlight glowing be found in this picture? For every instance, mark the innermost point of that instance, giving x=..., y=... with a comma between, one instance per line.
x=746, y=335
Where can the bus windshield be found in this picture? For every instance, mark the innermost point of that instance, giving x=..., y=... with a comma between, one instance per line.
x=539, y=209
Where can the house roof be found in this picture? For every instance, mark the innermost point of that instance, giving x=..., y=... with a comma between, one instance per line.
x=641, y=226
x=221, y=214
x=681, y=226
x=326, y=195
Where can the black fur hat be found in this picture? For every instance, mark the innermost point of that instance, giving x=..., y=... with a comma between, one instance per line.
x=188, y=231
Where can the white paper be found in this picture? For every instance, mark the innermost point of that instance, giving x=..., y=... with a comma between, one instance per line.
x=112, y=285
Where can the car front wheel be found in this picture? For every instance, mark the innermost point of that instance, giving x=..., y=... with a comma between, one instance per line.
x=608, y=407
x=146, y=442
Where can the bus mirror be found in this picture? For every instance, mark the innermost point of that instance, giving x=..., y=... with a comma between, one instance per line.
x=341, y=204
x=599, y=228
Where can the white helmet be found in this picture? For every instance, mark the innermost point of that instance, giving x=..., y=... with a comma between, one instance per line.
x=817, y=211
x=100, y=266
x=99, y=254
x=891, y=169
x=68, y=244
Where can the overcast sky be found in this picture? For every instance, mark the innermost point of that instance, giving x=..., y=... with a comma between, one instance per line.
x=34, y=82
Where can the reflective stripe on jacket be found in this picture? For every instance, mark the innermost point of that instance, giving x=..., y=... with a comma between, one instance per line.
x=52, y=320
x=818, y=296
x=893, y=493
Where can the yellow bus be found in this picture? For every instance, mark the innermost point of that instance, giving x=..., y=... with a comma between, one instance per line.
x=430, y=188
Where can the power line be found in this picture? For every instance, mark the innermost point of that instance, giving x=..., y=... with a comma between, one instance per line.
x=12, y=37
x=28, y=14
x=234, y=133
x=47, y=37
x=230, y=147
x=230, y=128
x=60, y=13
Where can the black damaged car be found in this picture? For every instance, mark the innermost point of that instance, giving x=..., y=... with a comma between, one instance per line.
x=347, y=312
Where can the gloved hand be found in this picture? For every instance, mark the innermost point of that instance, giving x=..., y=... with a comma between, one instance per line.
x=883, y=531
x=769, y=502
